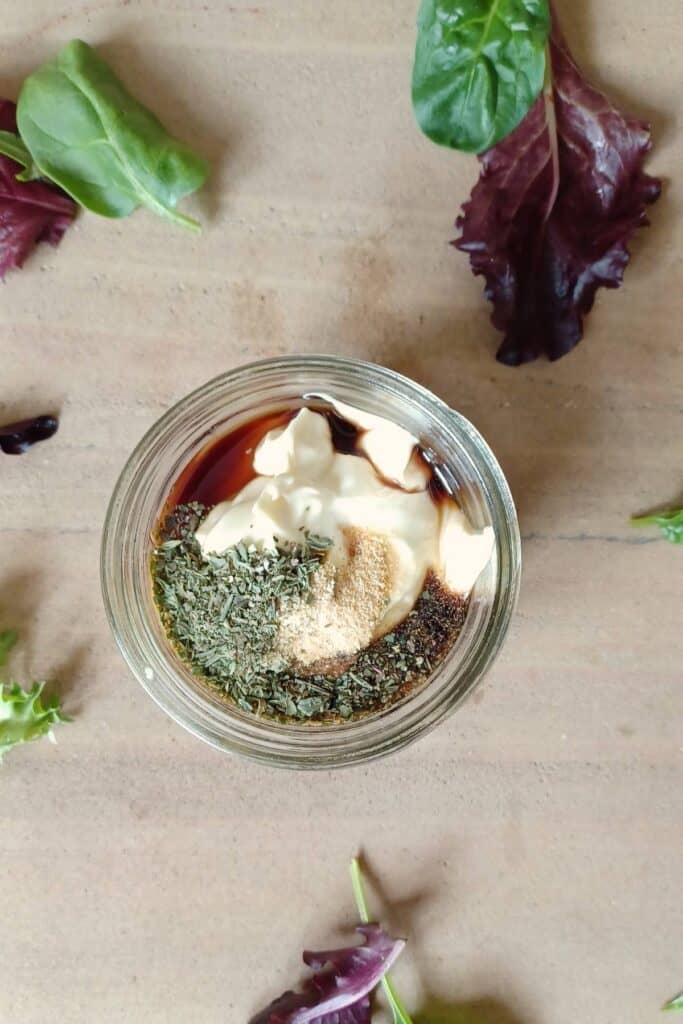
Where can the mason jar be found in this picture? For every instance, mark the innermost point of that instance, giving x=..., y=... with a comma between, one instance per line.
x=467, y=466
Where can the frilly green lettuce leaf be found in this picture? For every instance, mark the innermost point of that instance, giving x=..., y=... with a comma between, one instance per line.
x=675, y=1004
x=670, y=523
x=23, y=716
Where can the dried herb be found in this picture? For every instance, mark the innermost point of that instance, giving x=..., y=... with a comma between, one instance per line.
x=222, y=614
x=399, y=661
x=222, y=611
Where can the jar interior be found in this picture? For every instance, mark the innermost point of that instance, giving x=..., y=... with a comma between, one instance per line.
x=224, y=406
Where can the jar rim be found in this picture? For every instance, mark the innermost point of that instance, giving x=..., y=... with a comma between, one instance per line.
x=138, y=498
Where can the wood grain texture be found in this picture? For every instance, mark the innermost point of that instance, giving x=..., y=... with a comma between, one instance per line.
x=531, y=847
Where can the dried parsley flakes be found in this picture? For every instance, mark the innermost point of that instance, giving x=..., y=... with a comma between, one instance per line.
x=221, y=612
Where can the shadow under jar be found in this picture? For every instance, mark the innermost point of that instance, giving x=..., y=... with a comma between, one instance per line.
x=466, y=468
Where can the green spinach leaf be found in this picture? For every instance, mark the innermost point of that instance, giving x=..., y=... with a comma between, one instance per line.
x=670, y=524
x=674, y=1004
x=12, y=145
x=479, y=67
x=85, y=132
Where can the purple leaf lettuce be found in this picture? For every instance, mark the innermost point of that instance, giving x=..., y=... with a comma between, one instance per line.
x=17, y=438
x=30, y=211
x=551, y=217
x=340, y=994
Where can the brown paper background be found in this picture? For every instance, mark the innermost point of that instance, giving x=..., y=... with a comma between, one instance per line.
x=531, y=848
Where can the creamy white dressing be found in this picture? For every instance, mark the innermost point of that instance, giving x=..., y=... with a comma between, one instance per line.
x=304, y=485
x=390, y=448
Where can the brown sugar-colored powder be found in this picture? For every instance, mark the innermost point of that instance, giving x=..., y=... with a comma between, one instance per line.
x=339, y=615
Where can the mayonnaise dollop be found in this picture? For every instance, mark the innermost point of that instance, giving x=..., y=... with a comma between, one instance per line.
x=390, y=448
x=304, y=485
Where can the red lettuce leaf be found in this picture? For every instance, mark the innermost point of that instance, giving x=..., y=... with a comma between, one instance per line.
x=339, y=995
x=30, y=211
x=550, y=219
x=17, y=438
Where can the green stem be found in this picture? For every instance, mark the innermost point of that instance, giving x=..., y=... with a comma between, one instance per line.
x=357, y=883
x=398, y=1010
x=644, y=521
x=150, y=201
x=170, y=214
x=11, y=145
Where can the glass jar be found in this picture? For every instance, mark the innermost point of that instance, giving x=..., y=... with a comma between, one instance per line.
x=219, y=407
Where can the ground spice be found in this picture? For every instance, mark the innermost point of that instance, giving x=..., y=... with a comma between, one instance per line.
x=400, y=662
x=222, y=613
x=338, y=616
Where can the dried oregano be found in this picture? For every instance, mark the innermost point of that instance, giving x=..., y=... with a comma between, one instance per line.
x=221, y=613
